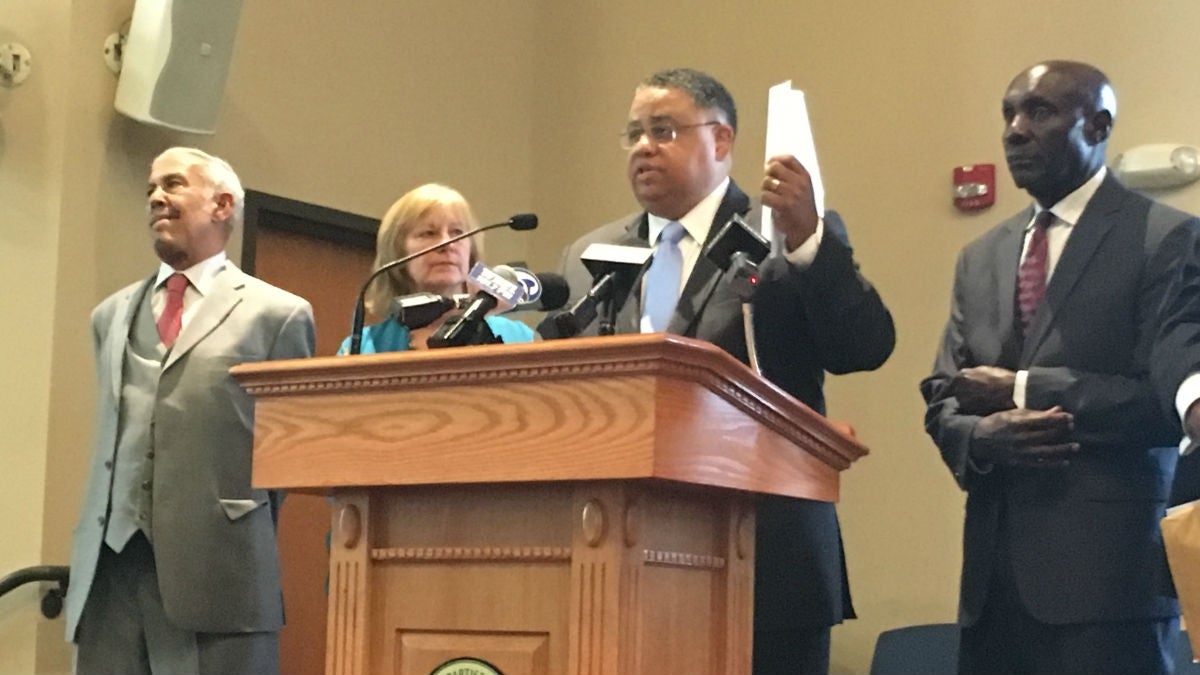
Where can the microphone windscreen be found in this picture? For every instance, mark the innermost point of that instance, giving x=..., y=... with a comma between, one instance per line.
x=555, y=291
x=523, y=221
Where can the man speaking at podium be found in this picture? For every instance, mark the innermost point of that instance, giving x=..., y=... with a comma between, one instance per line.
x=174, y=567
x=815, y=313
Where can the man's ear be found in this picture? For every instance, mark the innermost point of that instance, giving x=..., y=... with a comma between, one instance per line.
x=224, y=208
x=723, y=135
x=1099, y=127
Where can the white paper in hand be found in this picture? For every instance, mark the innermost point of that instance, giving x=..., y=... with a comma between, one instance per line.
x=790, y=133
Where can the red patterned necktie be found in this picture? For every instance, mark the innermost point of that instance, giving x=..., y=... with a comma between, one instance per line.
x=172, y=317
x=1031, y=278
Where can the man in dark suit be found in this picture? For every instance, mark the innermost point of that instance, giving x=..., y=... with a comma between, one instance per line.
x=814, y=313
x=1041, y=404
x=174, y=567
x=1176, y=358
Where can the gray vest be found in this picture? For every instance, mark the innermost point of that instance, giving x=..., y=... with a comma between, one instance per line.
x=130, y=495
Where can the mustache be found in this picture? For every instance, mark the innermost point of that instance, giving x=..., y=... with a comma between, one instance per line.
x=163, y=213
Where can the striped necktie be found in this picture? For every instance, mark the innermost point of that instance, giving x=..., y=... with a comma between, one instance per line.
x=1031, y=277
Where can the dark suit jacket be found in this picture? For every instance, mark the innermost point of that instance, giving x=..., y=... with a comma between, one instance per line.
x=825, y=318
x=1177, y=349
x=1083, y=540
x=214, y=534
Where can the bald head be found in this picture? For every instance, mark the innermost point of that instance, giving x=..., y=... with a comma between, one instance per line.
x=1086, y=84
x=1058, y=117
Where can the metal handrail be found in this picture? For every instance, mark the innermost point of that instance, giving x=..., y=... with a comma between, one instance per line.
x=52, y=601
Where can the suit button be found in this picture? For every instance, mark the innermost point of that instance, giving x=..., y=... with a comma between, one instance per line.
x=146, y=485
x=108, y=465
x=150, y=455
x=101, y=521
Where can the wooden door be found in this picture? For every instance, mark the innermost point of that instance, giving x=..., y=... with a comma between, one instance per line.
x=323, y=256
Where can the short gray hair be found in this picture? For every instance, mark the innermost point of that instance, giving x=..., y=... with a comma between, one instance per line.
x=220, y=175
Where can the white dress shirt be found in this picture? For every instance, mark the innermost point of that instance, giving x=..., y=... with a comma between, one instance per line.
x=1066, y=214
x=1188, y=394
x=200, y=281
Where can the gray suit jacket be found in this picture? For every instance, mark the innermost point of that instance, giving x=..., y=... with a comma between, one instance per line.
x=1084, y=539
x=214, y=535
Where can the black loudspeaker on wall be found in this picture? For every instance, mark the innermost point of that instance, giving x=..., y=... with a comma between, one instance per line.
x=175, y=61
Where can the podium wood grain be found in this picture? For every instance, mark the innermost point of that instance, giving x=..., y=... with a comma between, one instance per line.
x=581, y=507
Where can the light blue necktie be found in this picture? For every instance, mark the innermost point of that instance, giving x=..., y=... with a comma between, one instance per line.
x=662, y=279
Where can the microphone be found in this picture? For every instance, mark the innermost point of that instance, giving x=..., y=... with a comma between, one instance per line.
x=544, y=292
x=421, y=309
x=737, y=249
x=496, y=285
x=614, y=269
x=519, y=222
x=736, y=237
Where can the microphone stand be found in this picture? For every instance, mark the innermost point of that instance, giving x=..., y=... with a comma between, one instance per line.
x=524, y=221
x=743, y=282
x=608, y=322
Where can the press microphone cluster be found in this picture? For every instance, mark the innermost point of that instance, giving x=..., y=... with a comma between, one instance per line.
x=496, y=286
x=614, y=269
x=544, y=292
x=519, y=222
x=737, y=249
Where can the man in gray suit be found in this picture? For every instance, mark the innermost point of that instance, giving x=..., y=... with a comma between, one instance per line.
x=1042, y=407
x=174, y=566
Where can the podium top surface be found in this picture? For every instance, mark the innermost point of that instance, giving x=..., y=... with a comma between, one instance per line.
x=653, y=406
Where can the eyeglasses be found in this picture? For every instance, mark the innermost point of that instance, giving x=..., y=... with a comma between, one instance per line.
x=659, y=132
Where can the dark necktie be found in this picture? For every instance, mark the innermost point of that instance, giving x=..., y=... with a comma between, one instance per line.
x=1031, y=278
x=172, y=317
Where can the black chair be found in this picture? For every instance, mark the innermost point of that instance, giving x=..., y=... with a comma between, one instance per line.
x=1183, y=657
x=933, y=650
x=930, y=649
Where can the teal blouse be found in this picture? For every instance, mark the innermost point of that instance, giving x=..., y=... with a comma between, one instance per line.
x=392, y=336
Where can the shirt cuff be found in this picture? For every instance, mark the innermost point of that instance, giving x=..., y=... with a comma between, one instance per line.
x=806, y=253
x=1019, y=388
x=1186, y=446
x=1187, y=394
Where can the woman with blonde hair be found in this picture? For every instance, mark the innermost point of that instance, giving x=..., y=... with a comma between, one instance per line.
x=423, y=217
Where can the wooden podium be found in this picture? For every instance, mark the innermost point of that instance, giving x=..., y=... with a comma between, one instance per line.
x=577, y=507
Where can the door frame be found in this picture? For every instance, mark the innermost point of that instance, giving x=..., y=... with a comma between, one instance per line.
x=322, y=222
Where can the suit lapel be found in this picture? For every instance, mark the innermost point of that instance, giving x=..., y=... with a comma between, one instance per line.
x=637, y=233
x=225, y=294
x=118, y=333
x=1008, y=258
x=700, y=283
x=705, y=275
x=1093, y=226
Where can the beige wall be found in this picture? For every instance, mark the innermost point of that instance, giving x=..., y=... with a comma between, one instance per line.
x=518, y=105
x=30, y=187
